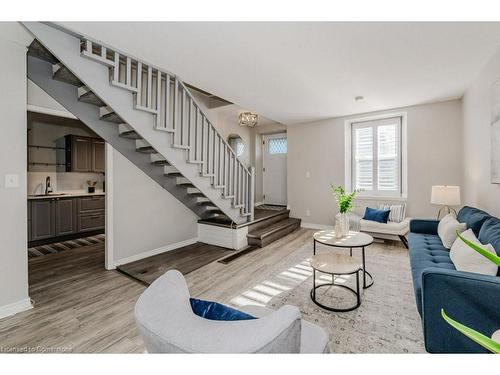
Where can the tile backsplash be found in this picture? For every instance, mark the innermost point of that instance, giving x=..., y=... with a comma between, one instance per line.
x=62, y=181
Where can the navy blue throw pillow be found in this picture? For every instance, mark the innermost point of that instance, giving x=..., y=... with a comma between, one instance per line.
x=380, y=216
x=216, y=311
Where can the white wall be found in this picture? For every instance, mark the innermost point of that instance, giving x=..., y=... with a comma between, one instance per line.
x=146, y=218
x=476, y=106
x=13, y=215
x=434, y=158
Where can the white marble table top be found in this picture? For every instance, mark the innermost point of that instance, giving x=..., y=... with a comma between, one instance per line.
x=338, y=264
x=353, y=239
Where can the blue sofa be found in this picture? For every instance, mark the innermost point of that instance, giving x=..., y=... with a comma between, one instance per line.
x=470, y=298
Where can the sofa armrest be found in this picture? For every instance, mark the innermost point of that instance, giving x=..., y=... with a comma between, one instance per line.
x=425, y=226
x=468, y=298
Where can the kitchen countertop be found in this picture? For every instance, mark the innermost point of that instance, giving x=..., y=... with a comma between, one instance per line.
x=66, y=194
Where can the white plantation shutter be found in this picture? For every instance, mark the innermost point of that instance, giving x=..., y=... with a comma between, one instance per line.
x=376, y=156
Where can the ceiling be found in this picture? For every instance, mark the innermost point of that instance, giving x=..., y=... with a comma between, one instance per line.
x=300, y=72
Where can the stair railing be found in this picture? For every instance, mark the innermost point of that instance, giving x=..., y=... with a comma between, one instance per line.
x=177, y=111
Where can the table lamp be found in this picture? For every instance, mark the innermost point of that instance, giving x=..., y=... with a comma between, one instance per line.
x=446, y=196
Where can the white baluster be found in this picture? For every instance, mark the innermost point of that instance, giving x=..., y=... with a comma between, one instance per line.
x=138, y=95
x=116, y=68
x=167, y=100
x=150, y=88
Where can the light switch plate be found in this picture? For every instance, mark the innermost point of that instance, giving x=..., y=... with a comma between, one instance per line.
x=11, y=180
x=308, y=213
x=308, y=174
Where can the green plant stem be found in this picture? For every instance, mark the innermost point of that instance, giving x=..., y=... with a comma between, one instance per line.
x=475, y=336
x=493, y=257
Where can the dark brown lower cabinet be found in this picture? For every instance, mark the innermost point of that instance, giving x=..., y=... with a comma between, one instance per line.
x=53, y=218
x=65, y=212
x=42, y=219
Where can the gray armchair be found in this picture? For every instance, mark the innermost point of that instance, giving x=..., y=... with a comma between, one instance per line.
x=168, y=325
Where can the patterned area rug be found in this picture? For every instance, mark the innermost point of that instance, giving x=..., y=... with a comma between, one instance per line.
x=387, y=320
x=57, y=247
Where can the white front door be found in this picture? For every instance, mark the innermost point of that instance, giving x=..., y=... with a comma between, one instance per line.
x=275, y=148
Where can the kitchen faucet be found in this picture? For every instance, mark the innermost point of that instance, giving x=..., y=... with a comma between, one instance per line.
x=48, y=188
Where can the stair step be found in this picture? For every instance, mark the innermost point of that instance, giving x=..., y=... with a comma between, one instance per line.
x=142, y=145
x=170, y=170
x=108, y=114
x=205, y=203
x=212, y=208
x=193, y=190
x=228, y=196
x=264, y=236
x=238, y=205
x=182, y=181
x=163, y=129
x=201, y=200
x=196, y=162
x=158, y=159
x=126, y=131
x=181, y=147
x=63, y=74
x=36, y=49
x=207, y=175
x=85, y=95
x=268, y=220
x=220, y=186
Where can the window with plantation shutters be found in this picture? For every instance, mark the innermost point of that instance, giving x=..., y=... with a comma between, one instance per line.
x=376, y=157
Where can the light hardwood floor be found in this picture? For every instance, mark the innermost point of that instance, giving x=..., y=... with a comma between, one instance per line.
x=81, y=307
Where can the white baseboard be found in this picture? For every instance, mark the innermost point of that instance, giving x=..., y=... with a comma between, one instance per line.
x=16, y=307
x=157, y=251
x=316, y=226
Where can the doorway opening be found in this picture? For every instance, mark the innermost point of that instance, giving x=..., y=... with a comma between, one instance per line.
x=66, y=166
x=274, y=174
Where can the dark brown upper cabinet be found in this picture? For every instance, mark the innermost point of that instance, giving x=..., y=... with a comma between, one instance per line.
x=84, y=154
x=98, y=159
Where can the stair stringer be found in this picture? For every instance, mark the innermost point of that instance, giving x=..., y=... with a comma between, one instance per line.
x=66, y=48
x=40, y=73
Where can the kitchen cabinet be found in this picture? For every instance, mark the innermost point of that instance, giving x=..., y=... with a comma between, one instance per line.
x=84, y=154
x=65, y=216
x=97, y=156
x=58, y=218
x=42, y=219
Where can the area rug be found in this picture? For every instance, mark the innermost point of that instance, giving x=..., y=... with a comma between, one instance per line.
x=387, y=320
x=57, y=247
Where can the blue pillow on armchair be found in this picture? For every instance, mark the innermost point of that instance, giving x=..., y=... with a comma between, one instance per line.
x=380, y=216
x=216, y=311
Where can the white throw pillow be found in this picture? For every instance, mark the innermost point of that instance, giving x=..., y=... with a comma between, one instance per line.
x=398, y=211
x=469, y=260
x=447, y=230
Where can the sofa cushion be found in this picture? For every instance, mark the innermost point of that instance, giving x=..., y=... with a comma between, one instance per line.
x=490, y=233
x=466, y=259
x=379, y=216
x=391, y=228
x=473, y=217
x=447, y=230
x=216, y=311
x=426, y=251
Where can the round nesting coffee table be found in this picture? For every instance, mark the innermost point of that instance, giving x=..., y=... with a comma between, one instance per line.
x=351, y=241
x=335, y=265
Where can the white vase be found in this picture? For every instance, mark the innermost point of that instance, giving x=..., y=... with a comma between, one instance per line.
x=344, y=224
x=341, y=225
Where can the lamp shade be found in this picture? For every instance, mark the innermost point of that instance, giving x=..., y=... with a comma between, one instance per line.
x=446, y=195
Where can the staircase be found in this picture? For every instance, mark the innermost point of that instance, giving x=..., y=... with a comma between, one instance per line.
x=147, y=114
x=263, y=232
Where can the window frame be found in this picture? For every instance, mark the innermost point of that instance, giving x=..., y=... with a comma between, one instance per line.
x=349, y=165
